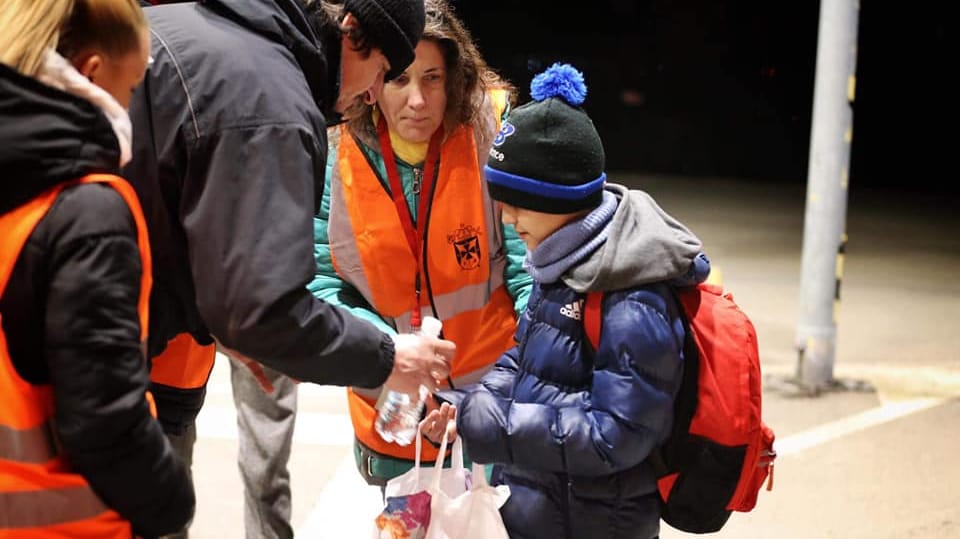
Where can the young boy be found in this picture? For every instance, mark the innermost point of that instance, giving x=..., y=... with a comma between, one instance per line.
x=569, y=428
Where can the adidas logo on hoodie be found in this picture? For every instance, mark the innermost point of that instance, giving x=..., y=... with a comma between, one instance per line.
x=572, y=310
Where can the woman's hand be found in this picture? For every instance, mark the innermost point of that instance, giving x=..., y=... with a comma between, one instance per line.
x=438, y=420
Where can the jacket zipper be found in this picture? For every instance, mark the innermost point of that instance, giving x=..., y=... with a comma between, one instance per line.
x=417, y=180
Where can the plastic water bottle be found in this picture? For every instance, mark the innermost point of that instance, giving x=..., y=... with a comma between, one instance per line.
x=399, y=413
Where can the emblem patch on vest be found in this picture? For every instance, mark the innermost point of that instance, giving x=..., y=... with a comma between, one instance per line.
x=466, y=245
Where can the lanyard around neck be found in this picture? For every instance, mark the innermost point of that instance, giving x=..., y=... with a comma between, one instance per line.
x=414, y=234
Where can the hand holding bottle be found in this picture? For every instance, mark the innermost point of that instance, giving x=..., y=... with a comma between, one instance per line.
x=420, y=359
x=414, y=376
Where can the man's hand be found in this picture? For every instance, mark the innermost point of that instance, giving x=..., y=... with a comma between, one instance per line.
x=419, y=360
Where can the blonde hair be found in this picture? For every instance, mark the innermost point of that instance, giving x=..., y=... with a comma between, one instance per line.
x=28, y=28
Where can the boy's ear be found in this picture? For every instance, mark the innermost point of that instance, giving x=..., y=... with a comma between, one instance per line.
x=88, y=64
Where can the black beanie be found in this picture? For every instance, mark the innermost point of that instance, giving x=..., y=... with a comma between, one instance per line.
x=393, y=25
x=548, y=156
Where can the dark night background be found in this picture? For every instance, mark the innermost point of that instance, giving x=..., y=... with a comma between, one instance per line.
x=725, y=88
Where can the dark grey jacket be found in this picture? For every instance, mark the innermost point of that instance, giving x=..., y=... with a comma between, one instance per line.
x=229, y=156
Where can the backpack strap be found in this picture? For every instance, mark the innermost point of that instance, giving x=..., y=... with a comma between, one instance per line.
x=685, y=403
x=591, y=317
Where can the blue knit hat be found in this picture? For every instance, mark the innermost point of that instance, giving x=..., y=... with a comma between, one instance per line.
x=548, y=156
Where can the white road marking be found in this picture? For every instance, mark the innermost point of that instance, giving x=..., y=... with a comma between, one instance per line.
x=848, y=425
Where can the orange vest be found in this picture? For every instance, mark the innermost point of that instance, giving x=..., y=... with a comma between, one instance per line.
x=184, y=364
x=464, y=262
x=40, y=496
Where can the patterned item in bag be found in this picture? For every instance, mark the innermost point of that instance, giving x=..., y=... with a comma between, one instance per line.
x=405, y=517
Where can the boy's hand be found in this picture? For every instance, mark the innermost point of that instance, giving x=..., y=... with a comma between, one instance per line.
x=438, y=420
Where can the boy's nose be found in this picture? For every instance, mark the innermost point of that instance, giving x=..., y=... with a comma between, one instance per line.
x=508, y=214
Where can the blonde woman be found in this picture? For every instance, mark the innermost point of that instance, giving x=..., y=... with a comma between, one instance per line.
x=81, y=454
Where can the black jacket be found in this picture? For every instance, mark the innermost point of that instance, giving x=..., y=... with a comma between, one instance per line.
x=69, y=310
x=228, y=161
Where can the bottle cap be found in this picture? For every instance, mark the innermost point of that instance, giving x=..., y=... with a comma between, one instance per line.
x=431, y=326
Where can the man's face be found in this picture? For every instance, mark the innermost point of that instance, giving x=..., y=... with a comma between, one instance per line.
x=361, y=76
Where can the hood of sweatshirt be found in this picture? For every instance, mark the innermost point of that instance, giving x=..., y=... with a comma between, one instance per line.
x=644, y=245
x=48, y=136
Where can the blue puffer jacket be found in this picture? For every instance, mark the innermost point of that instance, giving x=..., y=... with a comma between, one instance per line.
x=570, y=430
x=574, y=429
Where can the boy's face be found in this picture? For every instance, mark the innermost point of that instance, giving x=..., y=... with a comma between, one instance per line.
x=532, y=226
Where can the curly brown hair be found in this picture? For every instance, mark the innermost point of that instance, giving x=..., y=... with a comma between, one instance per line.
x=469, y=78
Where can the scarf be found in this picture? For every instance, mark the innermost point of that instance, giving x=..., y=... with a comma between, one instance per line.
x=571, y=243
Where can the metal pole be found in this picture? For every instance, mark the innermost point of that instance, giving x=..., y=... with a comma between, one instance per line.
x=824, y=232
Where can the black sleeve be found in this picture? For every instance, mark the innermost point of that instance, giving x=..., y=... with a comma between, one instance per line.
x=247, y=209
x=97, y=370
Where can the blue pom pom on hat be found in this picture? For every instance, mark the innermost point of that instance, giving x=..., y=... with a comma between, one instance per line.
x=548, y=156
x=560, y=80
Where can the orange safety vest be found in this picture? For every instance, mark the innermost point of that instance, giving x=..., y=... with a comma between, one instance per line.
x=40, y=496
x=184, y=365
x=464, y=262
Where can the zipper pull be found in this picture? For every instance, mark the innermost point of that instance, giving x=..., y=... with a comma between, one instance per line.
x=417, y=180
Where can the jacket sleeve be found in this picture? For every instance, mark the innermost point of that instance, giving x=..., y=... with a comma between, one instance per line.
x=327, y=284
x=518, y=281
x=247, y=208
x=628, y=411
x=97, y=370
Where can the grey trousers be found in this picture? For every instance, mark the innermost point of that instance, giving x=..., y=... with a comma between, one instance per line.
x=183, y=447
x=265, y=423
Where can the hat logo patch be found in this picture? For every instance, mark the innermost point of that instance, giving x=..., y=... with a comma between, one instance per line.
x=505, y=131
x=466, y=246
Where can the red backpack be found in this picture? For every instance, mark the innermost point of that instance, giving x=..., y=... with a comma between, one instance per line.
x=720, y=452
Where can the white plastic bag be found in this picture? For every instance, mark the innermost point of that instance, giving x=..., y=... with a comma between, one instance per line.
x=407, y=513
x=453, y=480
x=474, y=514
x=442, y=503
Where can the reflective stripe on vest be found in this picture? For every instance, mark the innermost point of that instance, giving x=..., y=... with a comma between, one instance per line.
x=34, y=445
x=43, y=508
x=39, y=494
x=465, y=261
